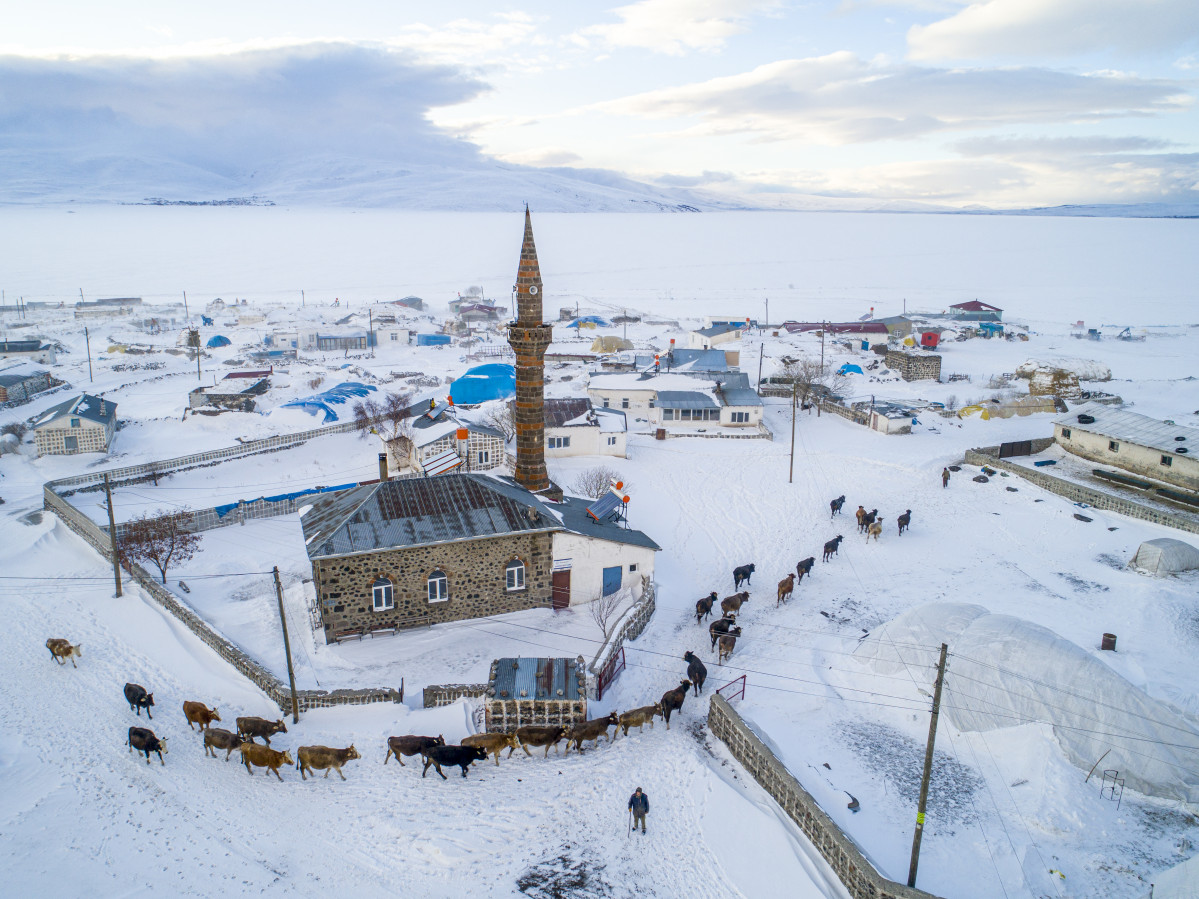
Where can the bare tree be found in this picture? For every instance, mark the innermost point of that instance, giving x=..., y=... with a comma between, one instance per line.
x=602, y=608
x=163, y=539
x=499, y=415
x=594, y=482
x=389, y=417
x=805, y=374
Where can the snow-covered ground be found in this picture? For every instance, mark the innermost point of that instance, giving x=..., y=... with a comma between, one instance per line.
x=1007, y=809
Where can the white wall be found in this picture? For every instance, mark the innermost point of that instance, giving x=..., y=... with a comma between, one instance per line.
x=589, y=556
x=1183, y=470
x=585, y=441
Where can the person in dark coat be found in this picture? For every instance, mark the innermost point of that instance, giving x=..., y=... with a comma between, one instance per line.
x=639, y=806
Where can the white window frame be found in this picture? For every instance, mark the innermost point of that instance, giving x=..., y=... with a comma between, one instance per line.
x=382, y=595
x=438, y=586
x=740, y=418
x=484, y=457
x=514, y=576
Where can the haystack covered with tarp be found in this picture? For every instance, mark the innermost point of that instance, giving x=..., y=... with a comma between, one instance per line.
x=1164, y=556
x=610, y=343
x=219, y=340
x=1007, y=672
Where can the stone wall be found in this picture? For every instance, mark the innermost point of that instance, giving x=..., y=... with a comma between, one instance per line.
x=1077, y=493
x=857, y=416
x=436, y=695
x=842, y=854
x=475, y=570
x=914, y=365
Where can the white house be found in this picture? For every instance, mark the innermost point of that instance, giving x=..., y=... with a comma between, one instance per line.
x=27, y=350
x=594, y=557
x=1133, y=442
x=85, y=424
x=679, y=401
x=439, y=431
x=573, y=427
x=706, y=338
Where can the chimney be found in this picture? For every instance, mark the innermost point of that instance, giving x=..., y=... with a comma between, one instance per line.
x=529, y=336
x=383, y=475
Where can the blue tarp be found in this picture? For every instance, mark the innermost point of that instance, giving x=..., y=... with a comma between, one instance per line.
x=222, y=511
x=432, y=339
x=849, y=368
x=205, y=320
x=590, y=319
x=334, y=396
x=483, y=383
x=217, y=341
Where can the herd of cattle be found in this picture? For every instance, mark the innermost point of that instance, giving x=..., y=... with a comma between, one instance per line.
x=433, y=750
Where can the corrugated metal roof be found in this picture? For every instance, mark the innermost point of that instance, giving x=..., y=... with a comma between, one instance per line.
x=559, y=411
x=573, y=512
x=717, y=330
x=685, y=399
x=421, y=511
x=1133, y=427
x=741, y=396
x=525, y=678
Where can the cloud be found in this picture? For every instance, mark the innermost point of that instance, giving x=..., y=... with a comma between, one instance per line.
x=676, y=26
x=1057, y=147
x=1056, y=28
x=840, y=99
x=544, y=157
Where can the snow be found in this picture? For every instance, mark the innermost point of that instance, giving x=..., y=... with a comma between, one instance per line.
x=1008, y=805
x=1085, y=369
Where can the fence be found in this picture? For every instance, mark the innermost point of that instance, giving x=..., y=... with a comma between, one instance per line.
x=989, y=455
x=225, y=648
x=437, y=695
x=834, y=845
x=608, y=673
x=630, y=626
x=735, y=688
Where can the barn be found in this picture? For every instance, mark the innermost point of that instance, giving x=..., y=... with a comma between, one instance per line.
x=524, y=691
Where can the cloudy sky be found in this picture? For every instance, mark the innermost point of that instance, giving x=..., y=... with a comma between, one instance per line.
x=1004, y=103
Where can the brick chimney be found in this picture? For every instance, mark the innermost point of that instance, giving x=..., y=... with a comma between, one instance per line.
x=529, y=336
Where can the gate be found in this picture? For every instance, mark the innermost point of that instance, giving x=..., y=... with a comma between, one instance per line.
x=1015, y=448
x=736, y=689
x=608, y=674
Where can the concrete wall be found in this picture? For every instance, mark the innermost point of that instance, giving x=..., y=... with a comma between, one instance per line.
x=589, y=556
x=475, y=570
x=639, y=400
x=1183, y=470
x=585, y=441
x=1078, y=493
x=842, y=854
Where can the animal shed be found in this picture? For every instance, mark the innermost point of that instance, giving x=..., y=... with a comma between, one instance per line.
x=535, y=691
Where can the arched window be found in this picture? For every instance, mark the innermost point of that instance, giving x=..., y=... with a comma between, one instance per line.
x=439, y=587
x=382, y=595
x=514, y=575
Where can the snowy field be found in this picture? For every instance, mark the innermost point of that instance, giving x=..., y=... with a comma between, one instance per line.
x=1009, y=815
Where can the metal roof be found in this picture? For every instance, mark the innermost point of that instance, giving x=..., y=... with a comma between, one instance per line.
x=975, y=306
x=1133, y=427
x=85, y=405
x=22, y=346
x=573, y=512
x=685, y=399
x=419, y=512
x=442, y=462
x=717, y=330
x=543, y=679
x=559, y=411
x=741, y=396
x=10, y=380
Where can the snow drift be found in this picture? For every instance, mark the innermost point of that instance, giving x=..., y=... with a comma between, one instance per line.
x=1083, y=369
x=1005, y=671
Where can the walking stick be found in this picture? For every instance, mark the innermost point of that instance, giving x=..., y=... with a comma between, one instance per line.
x=630, y=833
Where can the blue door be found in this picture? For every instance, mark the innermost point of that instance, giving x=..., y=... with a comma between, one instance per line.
x=611, y=579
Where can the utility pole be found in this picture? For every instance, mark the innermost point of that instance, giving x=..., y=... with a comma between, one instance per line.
x=112, y=537
x=822, y=330
x=761, y=354
x=624, y=313
x=928, y=767
x=766, y=324
x=370, y=331
x=291, y=673
x=794, y=397
x=81, y=299
x=88, y=340
x=185, y=312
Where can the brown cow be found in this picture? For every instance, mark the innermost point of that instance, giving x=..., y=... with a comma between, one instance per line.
x=217, y=738
x=786, y=588
x=638, y=718
x=251, y=727
x=727, y=644
x=672, y=700
x=61, y=649
x=198, y=713
x=410, y=744
x=732, y=604
x=546, y=735
x=591, y=730
x=860, y=515
x=323, y=757
x=264, y=757
x=493, y=744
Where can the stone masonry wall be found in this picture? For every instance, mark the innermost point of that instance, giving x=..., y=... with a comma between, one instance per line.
x=842, y=854
x=914, y=366
x=1080, y=494
x=475, y=570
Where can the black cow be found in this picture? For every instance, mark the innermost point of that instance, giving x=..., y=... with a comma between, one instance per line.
x=696, y=672
x=250, y=727
x=703, y=607
x=143, y=740
x=742, y=574
x=836, y=505
x=139, y=699
x=867, y=520
x=719, y=628
x=905, y=521
x=462, y=756
x=830, y=548
x=672, y=700
x=804, y=567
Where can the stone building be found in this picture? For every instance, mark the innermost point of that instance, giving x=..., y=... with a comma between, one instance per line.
x=914, y=365
x=21, y=382
x=527, y=691
x=85, y=424
x=1136, y=443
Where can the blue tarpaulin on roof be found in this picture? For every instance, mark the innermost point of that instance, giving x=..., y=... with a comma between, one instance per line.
x=334, y=396
x=591, y=320
x=849, y=368
x=223, y=510
x=218, y=340
x=482, y=383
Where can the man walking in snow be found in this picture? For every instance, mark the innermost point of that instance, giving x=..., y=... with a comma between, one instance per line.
x=639, y=806
x=944, y=477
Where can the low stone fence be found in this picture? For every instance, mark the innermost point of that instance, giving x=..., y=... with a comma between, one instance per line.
x=834, y=845
x=989, y=456
x=279, y=692
x=630, y=626
x=437, y=695
x=857, y=416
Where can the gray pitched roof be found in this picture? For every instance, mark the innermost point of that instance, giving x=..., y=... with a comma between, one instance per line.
x=575, y=519
x=685, y=399
x=558, y=411
x=1132, y=427
x=717, y=330
x=85, y=405
x=419, y=512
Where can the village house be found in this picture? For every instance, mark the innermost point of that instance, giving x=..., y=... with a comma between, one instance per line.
x=85, y=424
x=706, y=338
x=27, y=350
x=679, y=400
x=1136, y=443
x=976, y=310
x=235, y=391
x=573, y=427
x=441, y=439
x=21, y=381
x=914, y=364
